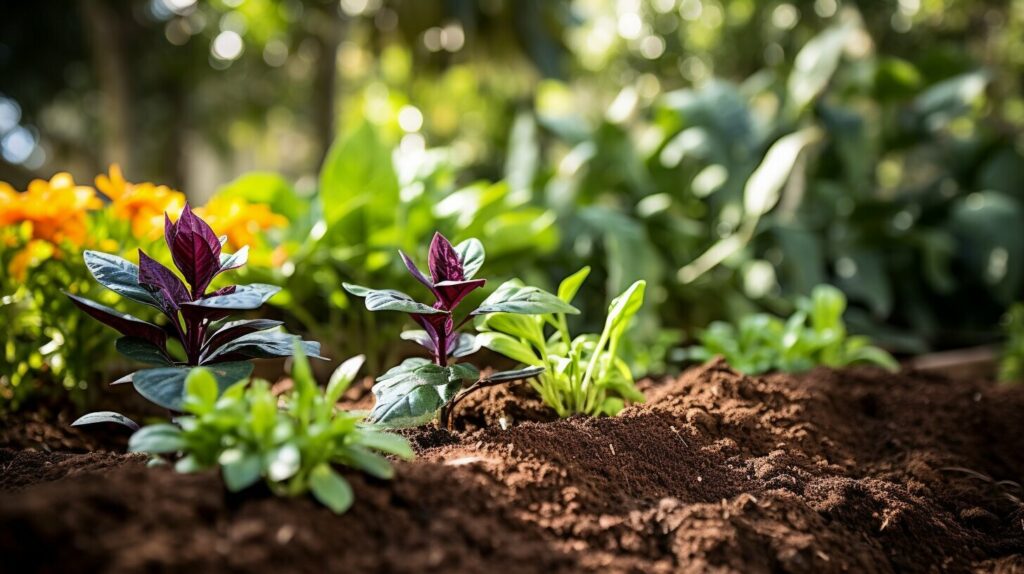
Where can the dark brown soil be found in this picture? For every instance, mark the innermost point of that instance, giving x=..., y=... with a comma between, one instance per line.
x=853, y=471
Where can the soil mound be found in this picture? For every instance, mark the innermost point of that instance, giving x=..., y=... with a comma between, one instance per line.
x=829, y=471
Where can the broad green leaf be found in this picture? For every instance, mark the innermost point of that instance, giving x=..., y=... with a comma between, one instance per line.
x=512, y=297
x=165, y=386
x=241, y=469
x=569, y=286
x=105, y=417
x=120, y=276
x=201, y=391
x=142, y=351
x=412, y=392
x=518, y=326
x=358, y=175
x=389, y=300
x=263, y=345
x=330, y=488
x=342, y=377
x=816, y=63
x=471, y=255
x=157, y=439
x=512, y=348
x=764, y=188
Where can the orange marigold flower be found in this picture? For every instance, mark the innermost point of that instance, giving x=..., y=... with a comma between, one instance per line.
x=238, y=219
x=56, y=209
x=143, y=204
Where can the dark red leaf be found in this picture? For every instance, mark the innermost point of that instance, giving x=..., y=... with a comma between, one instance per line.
x=437, y=326
x=124, y=323
x=195, y=250
x=155, y=277
x=450, y=293
x=415, y=271
x=444, y=261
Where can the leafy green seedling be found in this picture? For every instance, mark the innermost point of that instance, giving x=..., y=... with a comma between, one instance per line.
x=1011, y=364
x=583, y=375
x=814, y=335
x=413, y=392
x=292, y=442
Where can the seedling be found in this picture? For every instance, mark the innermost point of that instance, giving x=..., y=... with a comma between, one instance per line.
x=814, y=335
x=583, y=375
x=414, y=391
x=196, y=316
x=293, y=448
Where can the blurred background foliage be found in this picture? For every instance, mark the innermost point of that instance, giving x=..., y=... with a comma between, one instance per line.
x=733, y=153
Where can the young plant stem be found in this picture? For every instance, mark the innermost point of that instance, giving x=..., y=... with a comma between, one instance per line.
x=448, y=411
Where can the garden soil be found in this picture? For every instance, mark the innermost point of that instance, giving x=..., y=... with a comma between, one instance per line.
x=830, y=471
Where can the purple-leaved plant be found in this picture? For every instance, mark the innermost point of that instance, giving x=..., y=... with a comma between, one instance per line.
x=195, y=316
x=416, y=390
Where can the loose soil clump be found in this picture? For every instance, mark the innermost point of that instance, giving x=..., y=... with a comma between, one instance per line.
x=830, y=471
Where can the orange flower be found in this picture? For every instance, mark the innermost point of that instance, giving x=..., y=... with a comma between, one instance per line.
x=56, y=208
x=143, y=204
x=239, y=219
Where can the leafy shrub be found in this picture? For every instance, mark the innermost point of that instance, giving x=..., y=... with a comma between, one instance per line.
x=196, y=315
x=583, y=375
x=414, y=391
x=292, y=448
x=814, y=335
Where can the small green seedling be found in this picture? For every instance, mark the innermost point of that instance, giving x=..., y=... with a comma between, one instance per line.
x=1011, y=365
x=814, y=335
x=292, y=442
x=582, y=375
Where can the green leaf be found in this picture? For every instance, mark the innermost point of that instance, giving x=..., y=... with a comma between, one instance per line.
x=330, y=488
x=105, y=417
x=512, y=348
x=569, y=286
x=471, y=255
x=244, y=298
x=816, y=63
x=623, y=308
x=386, y=442
x=283, y=462
x=263, y=345
x=241, y=469
x=764, y=188
x=342, y=377
x=157, y=439
x=513, y=297
x=516, y=375
x=120, y=276
x=142, y=350
x=358, y=162
x=200, y=391
x=389, y=300
x=412, y=392
x=369, y=462
x=166, y=386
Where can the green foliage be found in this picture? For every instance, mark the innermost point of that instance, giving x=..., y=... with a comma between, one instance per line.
x=1011, y=366
x=814, y=335
x=292, y=442
x=582, y=375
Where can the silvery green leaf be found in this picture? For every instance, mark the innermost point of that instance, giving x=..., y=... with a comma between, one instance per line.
x=389, y=300
x=412, y=392
x=516, y=375
x=244, y=297
x=119, y=275
x=165, y=386
x=105, y=417
x=513, y=297
x=471, y=255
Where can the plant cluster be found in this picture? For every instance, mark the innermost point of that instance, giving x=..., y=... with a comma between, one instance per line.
x=292, y=447
x=813, y=335
x=414, y=391
x=196, y=314
x=582, y=375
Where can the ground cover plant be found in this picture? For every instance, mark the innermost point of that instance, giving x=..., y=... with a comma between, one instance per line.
x=196, y=315
x=414, y=391
x=293, y=448
x=813, y=335
x=583, y=374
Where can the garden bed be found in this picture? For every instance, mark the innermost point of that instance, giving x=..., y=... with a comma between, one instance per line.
x=828, y=471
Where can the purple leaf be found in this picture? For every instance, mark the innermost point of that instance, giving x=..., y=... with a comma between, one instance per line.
x=436, y=326
x=155, y=277
x=415, y=271
x=195, y=250
x=235, y=329
x=444, y=261
x=124, y=323
x=451, y=293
